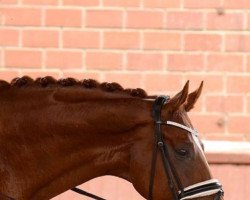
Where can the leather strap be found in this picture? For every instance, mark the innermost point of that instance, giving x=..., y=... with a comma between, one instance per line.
x=82, y=192
x=201, y=189
x=160, y=144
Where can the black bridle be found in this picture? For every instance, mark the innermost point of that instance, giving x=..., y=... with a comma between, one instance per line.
x=174, y=182
x=178, y=191
x=160, y=145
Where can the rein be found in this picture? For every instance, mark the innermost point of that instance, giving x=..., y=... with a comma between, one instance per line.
x=205, y=188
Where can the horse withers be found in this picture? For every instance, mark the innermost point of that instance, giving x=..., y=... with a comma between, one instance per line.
x=57, y=134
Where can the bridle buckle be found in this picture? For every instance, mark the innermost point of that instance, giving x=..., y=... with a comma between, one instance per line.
x=160, y=144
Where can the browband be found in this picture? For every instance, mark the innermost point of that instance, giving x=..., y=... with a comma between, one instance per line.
x=182, y=127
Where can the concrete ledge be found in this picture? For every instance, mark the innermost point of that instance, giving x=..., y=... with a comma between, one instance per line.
x=225, y=152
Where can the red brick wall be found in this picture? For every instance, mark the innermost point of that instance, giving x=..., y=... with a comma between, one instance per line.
x=153, y=44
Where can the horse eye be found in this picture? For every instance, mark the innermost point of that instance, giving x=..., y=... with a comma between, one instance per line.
x=182, y=152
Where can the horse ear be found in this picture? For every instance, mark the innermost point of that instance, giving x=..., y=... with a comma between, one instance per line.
x=179, y=99
x=193, y=97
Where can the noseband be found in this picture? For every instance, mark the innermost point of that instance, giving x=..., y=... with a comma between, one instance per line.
x=205, y=188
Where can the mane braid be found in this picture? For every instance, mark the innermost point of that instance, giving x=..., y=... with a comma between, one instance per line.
x=111, y=87
x=45, y=81
x=48, y=81
x=90, y=83
x=19, y=82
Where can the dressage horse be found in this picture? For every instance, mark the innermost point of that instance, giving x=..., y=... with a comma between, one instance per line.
x=57, y=134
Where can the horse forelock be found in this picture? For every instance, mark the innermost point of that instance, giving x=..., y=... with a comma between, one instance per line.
x=48, y=81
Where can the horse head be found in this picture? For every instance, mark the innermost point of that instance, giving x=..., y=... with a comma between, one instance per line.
x=177, y=168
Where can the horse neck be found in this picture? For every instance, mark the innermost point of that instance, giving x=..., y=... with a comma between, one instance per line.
x=99, y=137
x=102, y=132
x=76, y=141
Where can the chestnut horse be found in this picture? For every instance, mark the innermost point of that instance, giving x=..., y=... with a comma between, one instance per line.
x=55, y=135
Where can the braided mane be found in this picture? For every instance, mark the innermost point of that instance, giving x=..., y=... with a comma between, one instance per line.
x=49, y=81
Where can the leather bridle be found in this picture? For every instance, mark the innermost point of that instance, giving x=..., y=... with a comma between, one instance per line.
x=201, y=189
x=205, y=188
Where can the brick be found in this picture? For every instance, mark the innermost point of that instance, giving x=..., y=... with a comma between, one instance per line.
x=126, y=80
x=184, y=20
x=3, y=2
x=248, y=63
x=56, y=17
x=224, y=104
x=246, y=137
x=222, y=137
x=64, y=59
x=144, y=19
x=41, y=2
x=81, y=39
x=127, y=3
x=237, y=172
x=248, y=21
x=80, y=74
x=188, y=62
x=206, y=124
x=248, y=104
x=238, y=84
x=239, y=4
x=239, y=124
x=212, y=83
x=202, y=4
x=9, y=37
x=227, y=21
x=121, y=40
x=162, y=41
x=1, y=59
x=156, y=82
x=104, y=18
x=202, y=42
x=81, y=2
x=162, y=3
x=144, y=61
x=21, y=16
x=237, y=42
x=40, y=38
x=22, y=58
x=103, y=60
x=8, y=75
x=225, y=62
